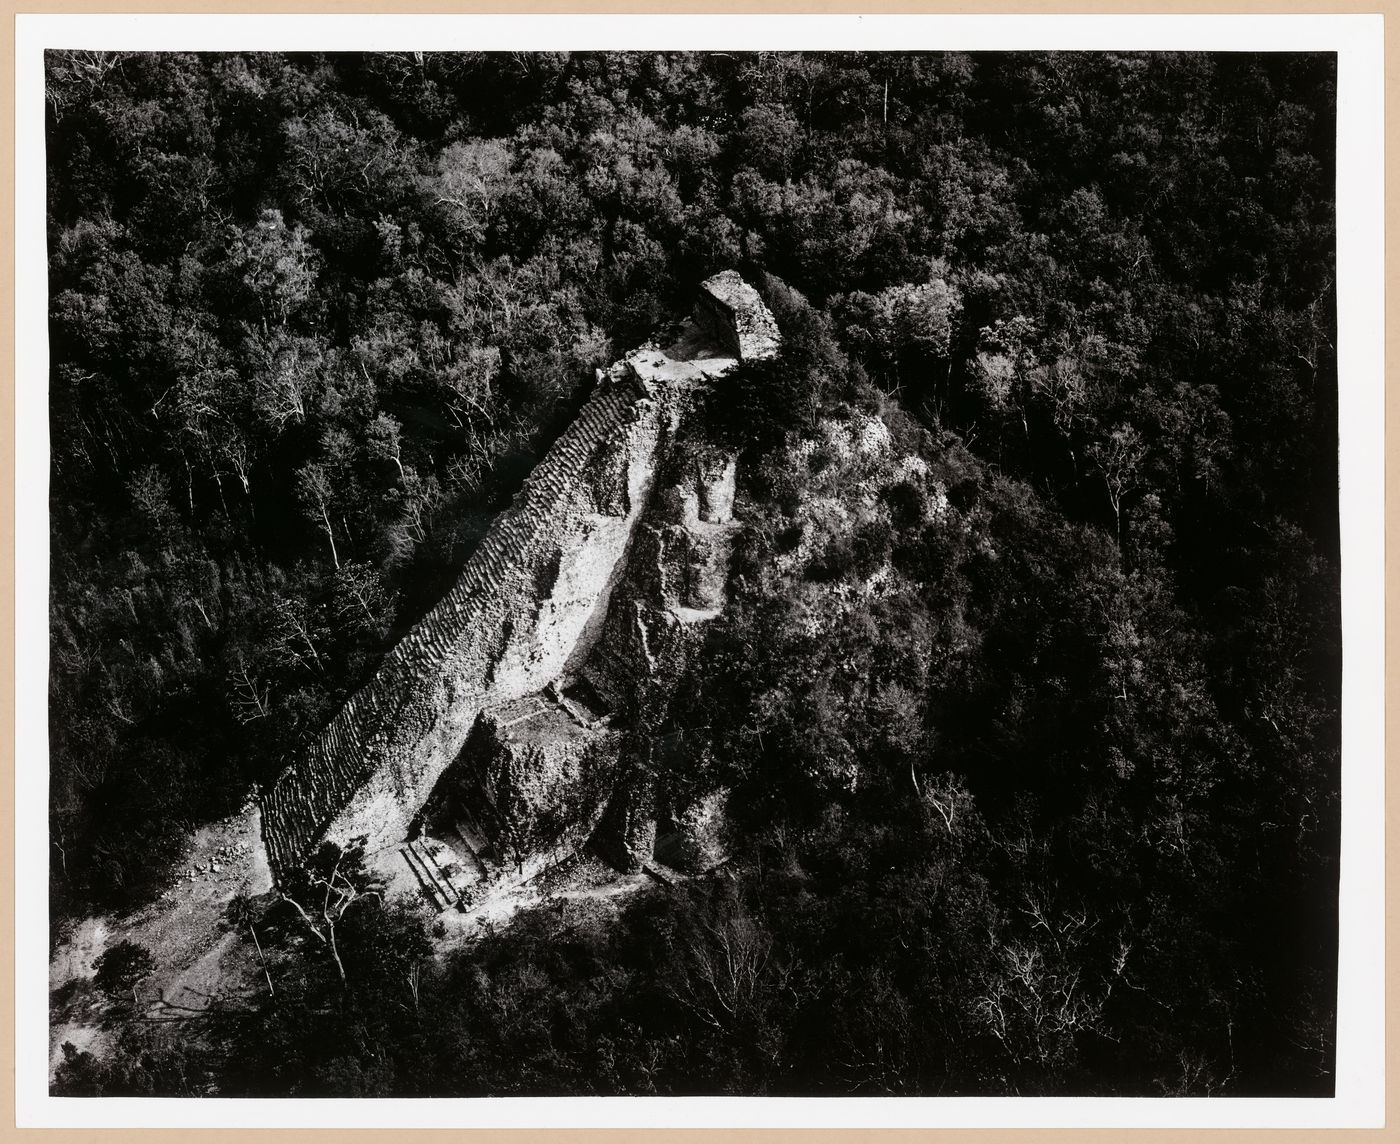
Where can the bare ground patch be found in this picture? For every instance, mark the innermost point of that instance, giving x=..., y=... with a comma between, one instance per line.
x=198, y=962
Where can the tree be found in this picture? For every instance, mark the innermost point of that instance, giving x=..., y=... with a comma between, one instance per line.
x=287, y=377
x=1118, y=460
x=385, y=438
x=121, y=968
x=949, y=798
x=911, y=319
x=770, y=137
x=345, y=163
x=324, y=891
x=276, y=265
x=363, y=601
x=150, y=494
x=316, y=497
x=472, y=178
x=722, y=972
x=249, y=698
x=241, y=913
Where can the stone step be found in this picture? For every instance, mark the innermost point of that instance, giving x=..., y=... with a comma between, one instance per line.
x=309, y=794
x=424, y=878
x=428, y=849
x=662, y=873
x=469, y=831
x=430, y=868
x=483, y=870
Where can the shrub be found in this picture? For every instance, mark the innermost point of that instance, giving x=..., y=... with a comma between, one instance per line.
x=122, y=967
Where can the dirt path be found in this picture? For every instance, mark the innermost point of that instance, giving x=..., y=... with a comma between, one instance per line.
x=196, y=957
x=582, y=888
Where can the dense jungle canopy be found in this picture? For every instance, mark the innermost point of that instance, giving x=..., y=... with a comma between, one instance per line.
x=1058, y=813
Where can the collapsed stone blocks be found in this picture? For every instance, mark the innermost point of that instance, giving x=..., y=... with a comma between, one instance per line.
x=714, y=487
x=529, y=787
x=693, y=838
x=734, y=314
x=626, y=834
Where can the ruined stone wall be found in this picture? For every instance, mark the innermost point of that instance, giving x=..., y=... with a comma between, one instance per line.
x=732, y=313
x=524, y=601
x=677, y=576
x=545, y=781
x=696, y=835
x=534, y=599
x=677, y=580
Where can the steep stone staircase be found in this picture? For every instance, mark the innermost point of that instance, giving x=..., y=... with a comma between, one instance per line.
x=453, y=651
x=307, y=796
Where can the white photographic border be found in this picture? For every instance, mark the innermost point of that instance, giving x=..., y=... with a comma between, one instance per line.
x=1358, y=42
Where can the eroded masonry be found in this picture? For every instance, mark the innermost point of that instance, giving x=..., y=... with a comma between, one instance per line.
x=485, y=747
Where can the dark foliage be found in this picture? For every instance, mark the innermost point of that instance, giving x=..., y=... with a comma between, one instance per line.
x=121, y=967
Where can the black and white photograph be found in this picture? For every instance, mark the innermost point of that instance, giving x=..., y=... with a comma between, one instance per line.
x=692, y=573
